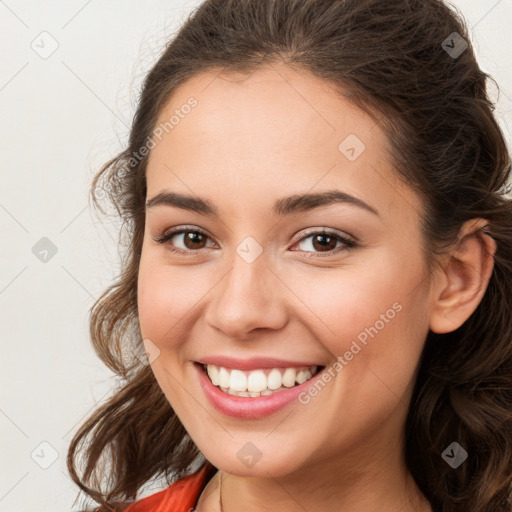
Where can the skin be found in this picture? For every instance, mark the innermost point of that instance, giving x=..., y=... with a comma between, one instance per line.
x=251, y=140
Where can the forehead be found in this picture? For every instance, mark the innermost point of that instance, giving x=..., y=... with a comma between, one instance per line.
x=276, y=131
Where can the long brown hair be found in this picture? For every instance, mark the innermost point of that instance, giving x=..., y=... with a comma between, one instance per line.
x=392, y=59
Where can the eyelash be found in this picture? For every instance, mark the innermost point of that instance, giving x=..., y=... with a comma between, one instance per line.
x=350, y=244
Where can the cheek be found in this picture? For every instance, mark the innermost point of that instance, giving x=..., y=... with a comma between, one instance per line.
x=167, y=299
x=376, y=314
x=347, y=301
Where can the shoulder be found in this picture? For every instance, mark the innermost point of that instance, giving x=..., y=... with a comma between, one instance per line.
x=181, y=496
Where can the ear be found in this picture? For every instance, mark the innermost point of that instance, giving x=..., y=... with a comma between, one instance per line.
x=464, y=278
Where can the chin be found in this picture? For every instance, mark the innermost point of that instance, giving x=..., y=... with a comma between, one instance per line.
x=254, y=459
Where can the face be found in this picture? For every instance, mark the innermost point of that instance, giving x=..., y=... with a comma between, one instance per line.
x=338, y=283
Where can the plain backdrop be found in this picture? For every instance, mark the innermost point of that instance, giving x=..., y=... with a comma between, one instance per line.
x=69, y=75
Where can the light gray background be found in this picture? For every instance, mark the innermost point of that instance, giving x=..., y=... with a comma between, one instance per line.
x=63, y=116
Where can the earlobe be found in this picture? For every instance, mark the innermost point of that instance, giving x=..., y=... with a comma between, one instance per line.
x=464, y=279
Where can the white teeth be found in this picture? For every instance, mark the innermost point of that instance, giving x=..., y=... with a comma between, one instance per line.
x=303, y=376
x=289, y=377
x=274, y=379
x=238, y=381
x=213, y=373
x=223, y=377
x=257, y=382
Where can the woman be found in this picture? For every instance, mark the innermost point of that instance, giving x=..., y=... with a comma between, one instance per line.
x=319, y=270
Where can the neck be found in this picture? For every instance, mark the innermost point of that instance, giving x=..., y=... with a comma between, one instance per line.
x=368, y=474
x=254, y=494
x=321, y=488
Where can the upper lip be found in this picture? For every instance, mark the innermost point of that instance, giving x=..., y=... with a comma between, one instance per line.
x=254, y=363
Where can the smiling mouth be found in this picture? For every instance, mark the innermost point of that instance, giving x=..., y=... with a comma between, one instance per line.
x=259, y=382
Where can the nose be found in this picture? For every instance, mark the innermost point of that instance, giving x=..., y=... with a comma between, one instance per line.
x=248, y=297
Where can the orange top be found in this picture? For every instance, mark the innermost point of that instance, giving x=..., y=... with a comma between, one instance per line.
x=181, y=496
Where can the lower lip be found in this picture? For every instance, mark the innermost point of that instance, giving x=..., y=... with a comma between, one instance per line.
x=248, y=407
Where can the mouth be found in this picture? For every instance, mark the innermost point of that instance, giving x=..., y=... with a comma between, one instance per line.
x=257, y=382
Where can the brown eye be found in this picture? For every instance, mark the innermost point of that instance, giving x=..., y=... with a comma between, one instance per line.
x=184, y=240
x=193, y=240
x=324, y=243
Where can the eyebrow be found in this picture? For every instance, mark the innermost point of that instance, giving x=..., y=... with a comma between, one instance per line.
x=282, y=206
